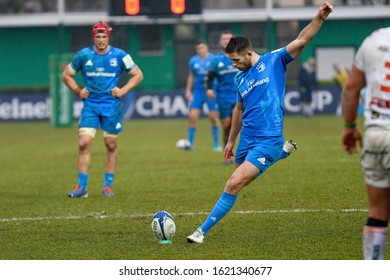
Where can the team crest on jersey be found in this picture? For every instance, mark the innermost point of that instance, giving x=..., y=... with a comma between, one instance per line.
x=113, y=62
x=221, y=64
x=260, y=67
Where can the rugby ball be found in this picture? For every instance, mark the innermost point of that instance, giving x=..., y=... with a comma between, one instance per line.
x=183, y=144
x=163, y=225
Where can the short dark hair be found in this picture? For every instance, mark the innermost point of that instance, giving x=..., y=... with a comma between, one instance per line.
x=239, y=44
x=200, y=42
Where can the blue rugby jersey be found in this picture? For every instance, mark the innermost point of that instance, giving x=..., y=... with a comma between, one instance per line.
x=101, y=72
x=261, y=89
x=199, y=68
x=225, y=73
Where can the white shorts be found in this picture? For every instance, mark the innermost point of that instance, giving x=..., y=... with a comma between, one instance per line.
x=376, y=157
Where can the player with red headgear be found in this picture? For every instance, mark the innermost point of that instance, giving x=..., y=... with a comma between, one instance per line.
x=101, y=66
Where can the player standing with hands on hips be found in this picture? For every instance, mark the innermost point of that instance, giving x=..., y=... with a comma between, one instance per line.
x=371, y=69
x=259, y=114
x=101, y=66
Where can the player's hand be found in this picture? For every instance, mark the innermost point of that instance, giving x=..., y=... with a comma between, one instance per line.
x=117, y=92
x=84, y=93
x=350, y=138
x=229, y=150
x=325, y=9
x=210, y=93
x=188, y=95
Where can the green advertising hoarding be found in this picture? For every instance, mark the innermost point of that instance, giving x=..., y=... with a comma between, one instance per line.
x=61, y=96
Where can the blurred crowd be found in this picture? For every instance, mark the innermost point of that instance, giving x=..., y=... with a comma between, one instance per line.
x=51, y=6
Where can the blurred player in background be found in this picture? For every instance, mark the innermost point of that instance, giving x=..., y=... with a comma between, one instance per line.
x=196, y=94
x=101, y=66
x=259, y=114
x=223, y=70
x=307, y=85
x=341, y=77
x=371, y=69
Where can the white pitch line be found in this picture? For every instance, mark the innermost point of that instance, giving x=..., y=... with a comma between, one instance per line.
x=103, y=215
x=301, y=211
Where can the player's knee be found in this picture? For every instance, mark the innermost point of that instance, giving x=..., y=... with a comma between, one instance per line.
x=111, y=146
x=192, y=120
x=110, y=141
x=84, y=144
x=85, y=138
x=234, y=185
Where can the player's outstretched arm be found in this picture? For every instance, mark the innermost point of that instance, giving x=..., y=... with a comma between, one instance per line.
x=310, y=31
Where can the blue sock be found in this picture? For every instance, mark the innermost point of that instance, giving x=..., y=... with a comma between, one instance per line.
x=191, y=135
x=108, y=179
x=221, y=208
x=83, y=180
x=215, y=134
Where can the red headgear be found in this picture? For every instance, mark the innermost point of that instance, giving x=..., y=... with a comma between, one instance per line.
x=101, y=27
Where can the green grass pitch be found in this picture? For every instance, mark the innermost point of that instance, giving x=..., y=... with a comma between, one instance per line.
x=310, y=206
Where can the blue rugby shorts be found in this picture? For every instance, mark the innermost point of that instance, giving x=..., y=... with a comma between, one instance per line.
x=260, y=151
x=107, y=118
x=198, y=99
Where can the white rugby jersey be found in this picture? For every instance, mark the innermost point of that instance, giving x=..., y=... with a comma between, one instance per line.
x=373, y=58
